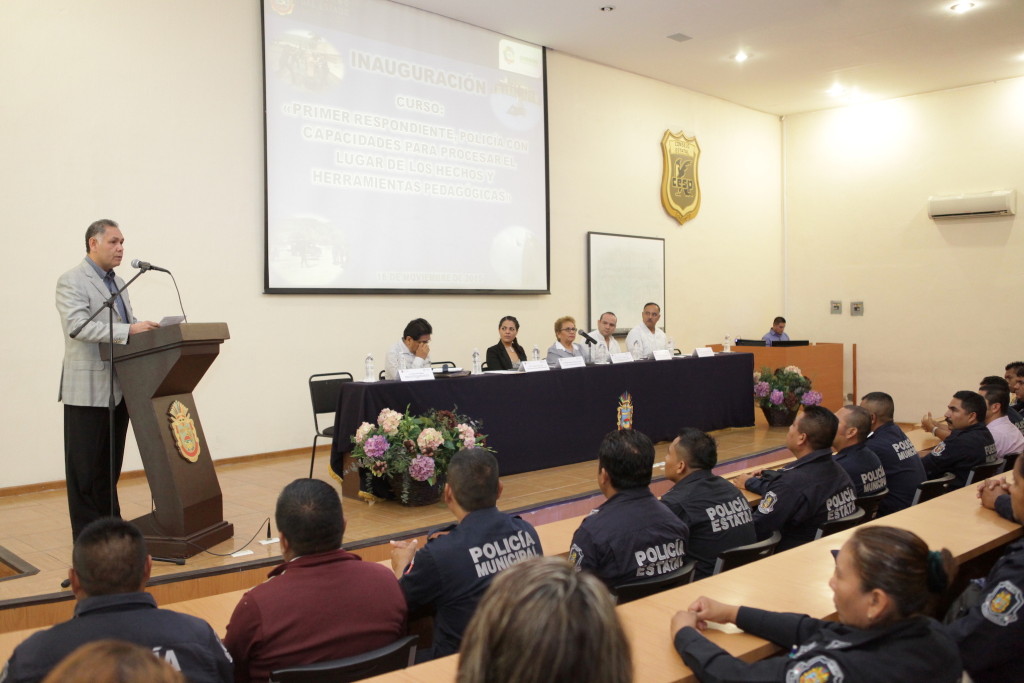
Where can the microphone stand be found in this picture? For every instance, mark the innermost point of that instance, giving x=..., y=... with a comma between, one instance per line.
x=111, y=407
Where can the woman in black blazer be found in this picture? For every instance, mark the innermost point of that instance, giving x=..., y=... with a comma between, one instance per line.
x=507, y=354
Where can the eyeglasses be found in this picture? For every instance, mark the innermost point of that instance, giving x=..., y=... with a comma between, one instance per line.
x=569, y=329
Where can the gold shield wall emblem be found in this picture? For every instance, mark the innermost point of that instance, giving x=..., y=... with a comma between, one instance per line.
x=183, y=428
x=680, y=188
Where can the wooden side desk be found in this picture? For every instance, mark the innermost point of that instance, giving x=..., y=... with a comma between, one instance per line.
x=822, y=363
x=795, y=580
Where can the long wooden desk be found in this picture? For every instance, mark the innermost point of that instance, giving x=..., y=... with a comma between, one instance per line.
x=543, y=419
x=795, y=581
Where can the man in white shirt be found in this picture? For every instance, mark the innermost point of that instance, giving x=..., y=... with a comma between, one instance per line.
x=1007, y=437
x=604, y=333
x=647, y=338
x=411, y=351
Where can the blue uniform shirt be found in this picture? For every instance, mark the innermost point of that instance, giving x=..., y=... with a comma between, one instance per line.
x=902, y=464
x=630, y=537
x=864, y=467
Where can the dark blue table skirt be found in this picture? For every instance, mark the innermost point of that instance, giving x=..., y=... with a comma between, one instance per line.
x=545, y=419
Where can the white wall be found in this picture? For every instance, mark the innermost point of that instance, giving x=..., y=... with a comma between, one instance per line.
x=939, y=311
x=150, y=113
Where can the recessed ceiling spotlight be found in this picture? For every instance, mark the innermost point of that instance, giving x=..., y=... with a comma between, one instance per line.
x=608, y=8
x=741, y=57
x=961, y=7
x=836, y=90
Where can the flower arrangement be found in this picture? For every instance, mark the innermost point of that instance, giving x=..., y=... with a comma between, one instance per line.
x=785, y=389
x=420, y=446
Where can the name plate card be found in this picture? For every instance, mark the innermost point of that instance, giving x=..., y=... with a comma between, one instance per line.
x=662, y=354
x=703, y=352
x=534, y=366
x=624, y=357
x=416, y=374
x=573, y=362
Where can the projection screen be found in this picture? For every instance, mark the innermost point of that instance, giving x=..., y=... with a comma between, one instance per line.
x=405, y=152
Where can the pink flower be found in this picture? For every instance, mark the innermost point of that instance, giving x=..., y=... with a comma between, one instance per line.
x=811, y=398
x=467, y=435
x=376, y=446
x=379, y=468
x=429, y=439
x=389, y=420
x=794, y=369
x=762, y=389
x=421, y=468
x=775, y=398
x=363, y=430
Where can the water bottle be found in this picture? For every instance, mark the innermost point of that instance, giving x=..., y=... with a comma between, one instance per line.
x=637, y=351
x=727, y=344
x=536, y=352
x=477, y=367
x=671, y=346
x=368, y=366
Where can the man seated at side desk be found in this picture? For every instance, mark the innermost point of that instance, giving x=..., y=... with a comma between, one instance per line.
x=800, y=497
x=969, y=444
x=717, y=514
x=778, y=331
x=411, y=351
x=863, y=466
x=903, y=467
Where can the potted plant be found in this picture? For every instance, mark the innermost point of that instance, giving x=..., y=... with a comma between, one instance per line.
x=781, y=393
x=412, y=452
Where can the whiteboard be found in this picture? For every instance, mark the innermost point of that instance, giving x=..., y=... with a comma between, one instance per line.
x=624, y=273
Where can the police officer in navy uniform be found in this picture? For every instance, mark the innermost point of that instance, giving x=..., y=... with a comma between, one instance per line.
x=990, y=635
x=109, y=573
x=884, y=582
x=863, y=466
x=719, y=516
x=968, y=445
x=903, y=467
x=800, y=497
x=453, y=570
x=631, y=536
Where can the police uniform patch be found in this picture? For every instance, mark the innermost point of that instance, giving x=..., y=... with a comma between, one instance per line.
x=937, y=451
x=818, y=669
x=768, y=502
x=575, y=555
x=1002, y=604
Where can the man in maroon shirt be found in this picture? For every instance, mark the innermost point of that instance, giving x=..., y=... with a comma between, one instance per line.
x=322, y=603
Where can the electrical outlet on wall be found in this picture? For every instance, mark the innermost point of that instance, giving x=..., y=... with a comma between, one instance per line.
x=836, y=307
x=856, y=308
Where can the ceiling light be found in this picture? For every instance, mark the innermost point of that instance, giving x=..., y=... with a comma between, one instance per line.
x=961, y=7
x=741, y=57
x=836, y=90
x=608, y=8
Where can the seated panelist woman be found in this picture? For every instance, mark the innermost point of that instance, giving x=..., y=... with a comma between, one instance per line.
x=565, y=346
x=884, y=580
x=507, y=354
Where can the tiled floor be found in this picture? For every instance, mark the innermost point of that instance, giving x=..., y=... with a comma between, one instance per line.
x=36, y=527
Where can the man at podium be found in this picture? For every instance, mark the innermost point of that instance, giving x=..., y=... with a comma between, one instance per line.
x=85, y=383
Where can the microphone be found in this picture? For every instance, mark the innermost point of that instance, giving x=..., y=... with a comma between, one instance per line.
x=146, y=265
x=590, y=340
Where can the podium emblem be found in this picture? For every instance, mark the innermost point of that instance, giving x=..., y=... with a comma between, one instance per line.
x=183, y=428
x=680, y=188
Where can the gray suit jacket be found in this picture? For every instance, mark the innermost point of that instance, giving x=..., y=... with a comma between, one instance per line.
x=84, y=380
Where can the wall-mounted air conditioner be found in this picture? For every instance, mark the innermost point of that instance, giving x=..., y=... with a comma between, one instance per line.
x=995, y=203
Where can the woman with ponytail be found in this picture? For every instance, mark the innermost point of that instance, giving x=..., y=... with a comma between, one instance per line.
x=884, y=584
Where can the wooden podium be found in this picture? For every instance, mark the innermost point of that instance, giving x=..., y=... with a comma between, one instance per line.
x=157, y=371
x=822, y=363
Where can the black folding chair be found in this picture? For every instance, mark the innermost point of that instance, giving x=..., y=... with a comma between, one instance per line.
x=325, y=393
